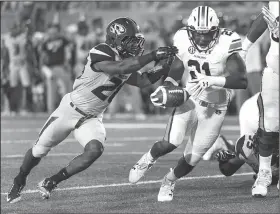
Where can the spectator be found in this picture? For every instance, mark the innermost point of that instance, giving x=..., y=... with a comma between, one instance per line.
x=16, y=43
x=55, y=68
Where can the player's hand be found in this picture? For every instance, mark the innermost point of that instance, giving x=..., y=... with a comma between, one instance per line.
x=155, y=99
x=202, y=82
x=271, y=21
x=225, y=155
x=165, y=52
x=162, y=64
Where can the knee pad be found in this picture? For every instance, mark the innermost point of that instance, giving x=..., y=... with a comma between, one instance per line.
x=161, y=148
x=40, y=151
x=94, y=146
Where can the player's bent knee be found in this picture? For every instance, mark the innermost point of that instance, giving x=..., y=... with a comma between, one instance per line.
x=40, y=151
x=192, y=158
x=94, y=148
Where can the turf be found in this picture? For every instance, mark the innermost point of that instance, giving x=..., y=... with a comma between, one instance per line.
x=104, y=187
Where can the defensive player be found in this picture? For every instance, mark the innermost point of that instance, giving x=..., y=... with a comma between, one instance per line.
x=268, y=101
x=109, y=66
x=232, y=156
x=209, y=55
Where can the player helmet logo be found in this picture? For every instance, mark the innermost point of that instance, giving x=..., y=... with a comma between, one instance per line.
x=117, y=29
x=191, y=50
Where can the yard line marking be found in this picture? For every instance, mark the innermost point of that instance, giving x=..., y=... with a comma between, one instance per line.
x=117, y=126
x=111, y=139
x=75, y=154
x=129, y=184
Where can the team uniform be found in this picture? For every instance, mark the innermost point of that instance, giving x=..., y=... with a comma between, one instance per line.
x=83, y=108
x=201, y=119
x=18, y=65
x=268, y=102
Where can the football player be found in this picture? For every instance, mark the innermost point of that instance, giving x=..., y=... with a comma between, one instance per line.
x=209, y=62
x=268, y=100
x=232, y=156
x=16, y=44
x=109, y=66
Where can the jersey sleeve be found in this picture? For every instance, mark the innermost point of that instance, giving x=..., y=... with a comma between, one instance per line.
x=235, y=44
x=101, y=52
x=179, y=40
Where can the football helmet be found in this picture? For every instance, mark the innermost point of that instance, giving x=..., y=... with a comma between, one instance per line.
x=203, y=28
x=124, y=35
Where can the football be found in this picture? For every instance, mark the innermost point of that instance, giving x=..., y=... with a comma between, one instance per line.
x=170, y=96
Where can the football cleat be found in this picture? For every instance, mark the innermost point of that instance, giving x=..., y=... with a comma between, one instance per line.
x=45, y=187
x=140, y=168
x=261, y=184
x=166, y=190
x=14, y=193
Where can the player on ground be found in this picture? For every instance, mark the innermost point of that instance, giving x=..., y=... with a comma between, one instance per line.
x=209, y=56
x=109, y=66
x=268, y=101
x=232, y=156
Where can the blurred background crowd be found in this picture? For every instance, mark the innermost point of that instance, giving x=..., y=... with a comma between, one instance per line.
x=44, y=46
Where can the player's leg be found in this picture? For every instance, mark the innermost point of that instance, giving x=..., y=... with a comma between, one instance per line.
x=51, y=87
x=56, y=129
x=181, y=120
x=13, y=78
x=268, y=132
x=202, y=138
x=26, y=88
x=91, y=135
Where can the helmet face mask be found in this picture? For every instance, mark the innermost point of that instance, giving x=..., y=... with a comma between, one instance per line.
x=124, y=35
x=203, y=28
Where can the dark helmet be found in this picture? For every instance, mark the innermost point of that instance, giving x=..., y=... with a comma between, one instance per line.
x=124, y=35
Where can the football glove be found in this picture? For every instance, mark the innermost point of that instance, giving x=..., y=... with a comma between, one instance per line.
x=224, y=155
x=154, y=98
x=272, y=23
x=202, y=82
x=165, y=52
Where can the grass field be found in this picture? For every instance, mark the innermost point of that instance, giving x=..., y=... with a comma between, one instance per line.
x=104, y=187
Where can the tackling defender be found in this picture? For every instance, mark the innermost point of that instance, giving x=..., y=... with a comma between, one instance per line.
x=209, y=62
x=268, y=100
x=109, y=66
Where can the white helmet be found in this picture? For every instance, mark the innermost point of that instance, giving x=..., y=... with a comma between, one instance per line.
x=203, y=28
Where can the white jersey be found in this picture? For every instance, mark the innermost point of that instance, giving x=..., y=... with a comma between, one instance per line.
x=94, y=90
x=210, y=63
x=17, y=48
x=272, y=57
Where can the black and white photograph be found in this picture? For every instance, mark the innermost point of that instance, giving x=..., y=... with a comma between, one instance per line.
x=139, y=107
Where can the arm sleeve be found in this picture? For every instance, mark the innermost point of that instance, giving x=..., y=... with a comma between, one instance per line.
x=257, y=29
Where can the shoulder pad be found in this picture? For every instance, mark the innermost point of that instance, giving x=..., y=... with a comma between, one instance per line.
x=231, y=40
x=102, y=52
x=180, y=40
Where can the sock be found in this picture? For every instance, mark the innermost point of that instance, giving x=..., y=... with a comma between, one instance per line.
x=161, y=148
x=150, y=157
x=171, y=176
x=29, y=162
x=182, y=168
x=265, y=162
x=60, y=176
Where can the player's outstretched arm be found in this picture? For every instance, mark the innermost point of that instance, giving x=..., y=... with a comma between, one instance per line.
x=133, y=64
x=146, y=79
x=176, y=72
